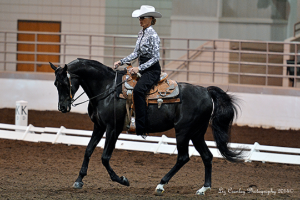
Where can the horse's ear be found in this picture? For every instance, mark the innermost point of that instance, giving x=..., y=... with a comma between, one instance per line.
x=66, y=67
x=52, y=66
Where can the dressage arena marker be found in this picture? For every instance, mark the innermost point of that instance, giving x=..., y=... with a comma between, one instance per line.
x=21, y=114
x=255, y=152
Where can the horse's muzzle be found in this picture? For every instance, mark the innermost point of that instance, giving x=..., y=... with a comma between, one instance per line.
x=64, y=108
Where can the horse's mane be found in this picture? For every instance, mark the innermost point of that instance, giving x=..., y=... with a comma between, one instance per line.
x=93, y=63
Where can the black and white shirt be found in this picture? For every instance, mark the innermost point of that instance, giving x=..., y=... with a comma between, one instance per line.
x=147, y=45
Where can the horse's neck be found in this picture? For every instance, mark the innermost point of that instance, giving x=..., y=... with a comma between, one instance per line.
x=96, y=82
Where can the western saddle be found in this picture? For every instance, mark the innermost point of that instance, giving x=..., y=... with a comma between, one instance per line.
x=166, y=91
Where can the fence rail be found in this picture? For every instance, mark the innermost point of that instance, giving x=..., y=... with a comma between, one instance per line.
x=109, y=48
x=255, y=152
x=296, y=28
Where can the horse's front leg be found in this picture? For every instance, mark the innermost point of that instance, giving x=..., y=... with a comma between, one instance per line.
x=95, y=139
x=111, y=139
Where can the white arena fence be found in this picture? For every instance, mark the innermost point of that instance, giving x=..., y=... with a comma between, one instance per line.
x=255, y=152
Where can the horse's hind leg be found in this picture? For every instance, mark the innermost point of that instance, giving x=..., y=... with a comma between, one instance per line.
x=182, y=159
x=111, y=139
x=95, y=139
x=206, y=155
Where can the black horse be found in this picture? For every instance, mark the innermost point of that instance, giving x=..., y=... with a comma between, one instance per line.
x=190, y=118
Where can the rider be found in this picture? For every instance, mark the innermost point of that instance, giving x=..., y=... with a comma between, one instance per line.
x=147, y=52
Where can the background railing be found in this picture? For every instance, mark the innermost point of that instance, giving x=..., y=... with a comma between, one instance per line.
x=296, y=28
x=192, y=60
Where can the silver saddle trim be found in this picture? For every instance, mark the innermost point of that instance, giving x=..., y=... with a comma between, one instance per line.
x=162, y=76
x=127, y=86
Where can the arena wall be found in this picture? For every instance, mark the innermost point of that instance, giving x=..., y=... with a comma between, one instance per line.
x=262, y=108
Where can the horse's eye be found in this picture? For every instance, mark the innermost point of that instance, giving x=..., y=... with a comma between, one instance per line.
x=57, y=83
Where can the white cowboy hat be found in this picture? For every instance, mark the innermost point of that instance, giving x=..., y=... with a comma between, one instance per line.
x=146, y=11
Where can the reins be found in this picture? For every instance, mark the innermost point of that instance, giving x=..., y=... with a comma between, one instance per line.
x=115, y=102
x=105, y=94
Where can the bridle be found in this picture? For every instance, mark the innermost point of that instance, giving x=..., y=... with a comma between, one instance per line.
x=70, y=83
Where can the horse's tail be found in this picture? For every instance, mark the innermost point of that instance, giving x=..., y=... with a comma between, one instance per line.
x=225, y=109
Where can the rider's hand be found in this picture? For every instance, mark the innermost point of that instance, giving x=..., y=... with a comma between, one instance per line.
x=117, y=64
x=134, y=70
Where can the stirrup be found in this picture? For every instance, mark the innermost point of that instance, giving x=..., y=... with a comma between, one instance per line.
x=132, y=125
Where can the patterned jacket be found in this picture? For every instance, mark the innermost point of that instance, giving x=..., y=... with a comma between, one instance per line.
x=147, y=45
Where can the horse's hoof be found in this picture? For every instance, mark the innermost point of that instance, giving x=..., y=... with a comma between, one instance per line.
x=124, y=181
x=78, y=185
x=202, y=190
x=159, y=190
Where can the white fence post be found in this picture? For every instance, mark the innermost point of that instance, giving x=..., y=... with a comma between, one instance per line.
x=59, y=132
x=160, y=142
x=27, y=131
x=253, y=149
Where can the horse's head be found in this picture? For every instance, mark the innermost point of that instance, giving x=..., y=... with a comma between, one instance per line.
x=65, y=86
